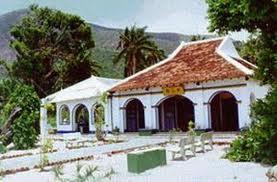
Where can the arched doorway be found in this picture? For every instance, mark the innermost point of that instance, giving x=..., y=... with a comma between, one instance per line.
x=224, y=112
x=175, y=112
x=82, y=119
x=134, y=115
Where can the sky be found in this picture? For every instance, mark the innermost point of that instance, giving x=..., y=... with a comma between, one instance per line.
x=180, y=16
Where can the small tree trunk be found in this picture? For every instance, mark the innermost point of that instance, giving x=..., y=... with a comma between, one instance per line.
x=6, y=130
x=134, y=65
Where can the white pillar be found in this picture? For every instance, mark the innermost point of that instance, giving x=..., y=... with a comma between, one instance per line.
x=43, y=118
x=148, y=114
x=71, y=118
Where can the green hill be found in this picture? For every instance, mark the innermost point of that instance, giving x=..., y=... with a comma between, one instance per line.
x=105, y=38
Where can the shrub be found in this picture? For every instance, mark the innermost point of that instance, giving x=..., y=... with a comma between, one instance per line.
x=46, y=147
x=83, y=173
x=24, y=127
x=172, y=134
x=2, y=148
x=258, y=143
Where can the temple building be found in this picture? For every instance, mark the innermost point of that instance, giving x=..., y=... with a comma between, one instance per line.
x=205, y=81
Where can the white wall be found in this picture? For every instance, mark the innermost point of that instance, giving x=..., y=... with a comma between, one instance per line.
x=200, y=97
x=72, y=105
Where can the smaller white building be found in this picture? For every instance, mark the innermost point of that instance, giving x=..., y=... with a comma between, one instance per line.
x=75, y=105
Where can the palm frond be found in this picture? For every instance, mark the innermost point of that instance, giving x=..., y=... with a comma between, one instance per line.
x=58, y=172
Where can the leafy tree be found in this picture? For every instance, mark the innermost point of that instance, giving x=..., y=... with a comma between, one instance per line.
x=259, y=142
x=137, y=49
x=53, y=49
x=25, y=126
x=248, y=49
x=7, y=86
x=256, y=16
x=196, y=37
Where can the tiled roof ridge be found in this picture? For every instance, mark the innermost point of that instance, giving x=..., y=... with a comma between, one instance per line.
x=221, y=52
x=170, y=56
x=221, y=49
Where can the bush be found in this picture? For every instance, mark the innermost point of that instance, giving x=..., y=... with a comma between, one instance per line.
x=24, y=127
x=258, y=143
x=2, y=148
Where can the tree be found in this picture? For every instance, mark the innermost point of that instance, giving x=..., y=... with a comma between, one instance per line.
x=257, y=16
x=137, y=49
x=53, y=49
x=248, y=49
x=259, y=142
x=196, y=37
x=26, y=125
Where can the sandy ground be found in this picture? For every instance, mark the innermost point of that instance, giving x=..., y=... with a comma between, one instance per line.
x=205, y=167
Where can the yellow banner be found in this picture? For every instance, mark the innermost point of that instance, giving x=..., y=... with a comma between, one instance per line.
x=173, y=90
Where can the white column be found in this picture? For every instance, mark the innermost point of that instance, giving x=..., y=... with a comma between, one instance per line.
x=156, y=117
x=244, y=107
x=91, y=119
x=71, y=118
x=198, y=114
x=43, y=119
x=58, y=116
x=149, y=123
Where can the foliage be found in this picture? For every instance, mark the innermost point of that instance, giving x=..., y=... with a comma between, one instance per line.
x=7, y=86
x=46, y=147
x=3, y=149
x=24, y=127
x=83, y=173
x=172, y=134
x=256, y=16
x=99, y=121
x=53, y=49
x=259, y=142
x=116, y=130
x=51, y=114
x=191, y=126
x=248, y=49
x=197, y=37
x=58, y=172
x=137, y=49
x=99, y=115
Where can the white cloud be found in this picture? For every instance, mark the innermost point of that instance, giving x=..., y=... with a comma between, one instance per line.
x=184, y=16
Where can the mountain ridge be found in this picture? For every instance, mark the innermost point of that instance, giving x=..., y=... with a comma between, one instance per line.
x=105, y=38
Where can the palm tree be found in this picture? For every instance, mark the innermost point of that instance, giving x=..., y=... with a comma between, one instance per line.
x=137, y=49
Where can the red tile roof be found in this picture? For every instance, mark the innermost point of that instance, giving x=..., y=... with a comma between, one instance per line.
x=197, y=62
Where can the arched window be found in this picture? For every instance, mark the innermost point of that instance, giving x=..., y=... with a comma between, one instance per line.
x=64, y=115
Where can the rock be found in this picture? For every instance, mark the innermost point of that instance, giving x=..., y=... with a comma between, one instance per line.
x=272, y=174
x=10, y=146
